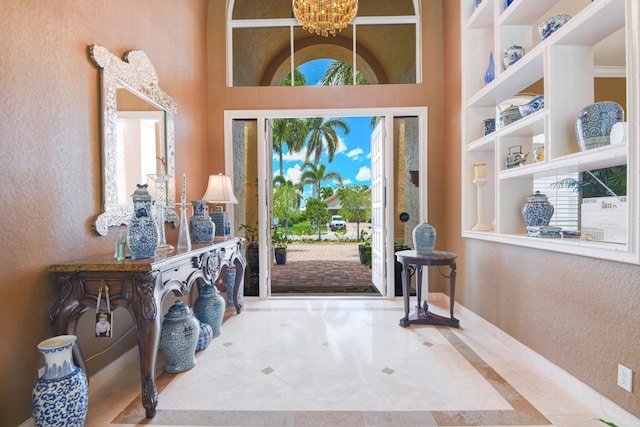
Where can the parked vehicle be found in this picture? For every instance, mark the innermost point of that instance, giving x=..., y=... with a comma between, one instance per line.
x=337, y=223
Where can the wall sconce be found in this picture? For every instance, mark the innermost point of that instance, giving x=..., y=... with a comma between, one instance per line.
x=219, y=192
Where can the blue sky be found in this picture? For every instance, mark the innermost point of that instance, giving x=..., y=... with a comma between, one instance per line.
x=352, y=160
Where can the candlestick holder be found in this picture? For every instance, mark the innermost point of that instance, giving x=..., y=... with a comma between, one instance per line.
x=480, y=225
x=160, y=203
x=184, y=239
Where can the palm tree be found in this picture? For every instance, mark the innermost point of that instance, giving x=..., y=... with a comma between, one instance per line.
x=315, y=175
x=341, y=73
x=326, y=192
x=320, y=130
x=289, y=132
x=300, y=79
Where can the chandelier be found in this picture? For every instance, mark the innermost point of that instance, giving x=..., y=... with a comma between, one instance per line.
x=324, y=17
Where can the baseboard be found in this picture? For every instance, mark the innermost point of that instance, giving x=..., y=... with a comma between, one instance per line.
x=591, y=397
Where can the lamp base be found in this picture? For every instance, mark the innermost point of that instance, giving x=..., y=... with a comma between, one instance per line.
x=220, y=219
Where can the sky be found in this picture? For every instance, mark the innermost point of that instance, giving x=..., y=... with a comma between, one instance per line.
x=352, y=160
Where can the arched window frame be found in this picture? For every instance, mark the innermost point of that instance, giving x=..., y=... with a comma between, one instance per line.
x=292, y=23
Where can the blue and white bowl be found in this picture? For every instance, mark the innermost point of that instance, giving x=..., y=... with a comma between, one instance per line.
x=537, y=103
x=512, y=55
x=594, y=123
x=550, y=25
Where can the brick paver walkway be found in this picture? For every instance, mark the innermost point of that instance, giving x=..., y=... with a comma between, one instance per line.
x=322, y=268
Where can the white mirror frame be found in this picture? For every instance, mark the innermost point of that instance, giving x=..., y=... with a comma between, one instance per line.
x=137, y=74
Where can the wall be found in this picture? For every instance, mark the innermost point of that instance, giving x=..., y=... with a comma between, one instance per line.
x=50, y=163
x=580, y=313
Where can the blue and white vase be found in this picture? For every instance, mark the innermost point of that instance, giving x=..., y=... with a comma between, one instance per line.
x=490, y=73
x=594, y=123
x=142, y=232
x=424, y=238
x=537, y=211
x=179, y=338
x=209, y=308
x=201, y=227
x=231, y=284
x=205, y=336
x=61, y=395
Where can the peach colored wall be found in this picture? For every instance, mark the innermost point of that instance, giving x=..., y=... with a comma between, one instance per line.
x=580, y=313
x=50, y=162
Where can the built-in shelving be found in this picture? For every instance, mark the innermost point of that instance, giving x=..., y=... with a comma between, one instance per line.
x=599, y=40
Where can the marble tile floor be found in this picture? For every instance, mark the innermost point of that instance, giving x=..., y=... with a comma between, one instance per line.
x=347, y=362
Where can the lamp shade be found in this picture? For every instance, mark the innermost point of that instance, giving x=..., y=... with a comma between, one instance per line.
x=219, y=190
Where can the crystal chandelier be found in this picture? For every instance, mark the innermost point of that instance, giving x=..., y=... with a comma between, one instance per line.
x=324, y=17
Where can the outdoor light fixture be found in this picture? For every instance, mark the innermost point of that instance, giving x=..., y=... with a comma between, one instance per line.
x=324, y=17
x=220, y=191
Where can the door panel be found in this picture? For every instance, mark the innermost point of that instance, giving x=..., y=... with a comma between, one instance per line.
x=377, y=208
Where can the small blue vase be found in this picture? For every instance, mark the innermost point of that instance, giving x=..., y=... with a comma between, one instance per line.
x=490, y=74
x=209, y=308
x=142, y=231
x=205, y=336
x=424, y=239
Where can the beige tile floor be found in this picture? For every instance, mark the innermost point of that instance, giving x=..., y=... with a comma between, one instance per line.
x=347, y=362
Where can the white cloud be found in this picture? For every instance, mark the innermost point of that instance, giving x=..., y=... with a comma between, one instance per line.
x=346, y=182
x=291, y=157
x=364, y=174
x=342, y=147
x=293, y=174
x=355, y=153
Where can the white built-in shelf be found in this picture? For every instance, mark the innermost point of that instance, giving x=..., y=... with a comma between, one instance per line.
x=566, y=65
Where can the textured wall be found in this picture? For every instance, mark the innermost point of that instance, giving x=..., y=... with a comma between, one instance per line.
x=50, y=163
x=580, y=313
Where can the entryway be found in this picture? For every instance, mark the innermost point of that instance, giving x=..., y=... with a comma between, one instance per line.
x=395, y=186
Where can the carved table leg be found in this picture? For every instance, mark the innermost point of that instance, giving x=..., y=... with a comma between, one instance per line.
x=148, y=326
x=452, y=288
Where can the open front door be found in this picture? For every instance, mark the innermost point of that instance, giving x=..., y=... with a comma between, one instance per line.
x=378, y=276
x=266, y=248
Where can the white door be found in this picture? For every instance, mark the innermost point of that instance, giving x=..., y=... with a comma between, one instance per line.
x=378, y=276
x=266, y=214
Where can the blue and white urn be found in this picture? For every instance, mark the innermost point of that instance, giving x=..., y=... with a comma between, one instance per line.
x=424, y=238
x=209, y=308
x=61, y=395
x=201, y=227
x=179, y=338
x=537, y=211
x=205, y=336
x=142, y=231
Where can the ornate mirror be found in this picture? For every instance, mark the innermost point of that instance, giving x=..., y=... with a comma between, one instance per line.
x=138, y=134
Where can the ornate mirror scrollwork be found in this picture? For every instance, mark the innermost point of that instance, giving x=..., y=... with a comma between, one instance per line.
x=132, y=104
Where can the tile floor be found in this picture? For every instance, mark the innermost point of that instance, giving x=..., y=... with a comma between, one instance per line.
x=347, y=362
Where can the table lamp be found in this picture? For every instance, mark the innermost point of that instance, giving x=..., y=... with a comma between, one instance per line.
x=220, y=191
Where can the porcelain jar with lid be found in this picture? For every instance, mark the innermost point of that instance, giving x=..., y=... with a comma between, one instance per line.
x=142, y=231
x=179, y=338
x=209, y=308
x=201, y=227
x=537, y=211
x=424, y=238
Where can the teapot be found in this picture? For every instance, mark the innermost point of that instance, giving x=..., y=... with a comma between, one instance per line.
x=516, y=158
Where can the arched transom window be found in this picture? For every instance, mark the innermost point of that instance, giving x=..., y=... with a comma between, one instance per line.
x=266, y=43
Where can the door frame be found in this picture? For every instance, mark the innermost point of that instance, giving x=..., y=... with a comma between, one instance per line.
x=421, y=112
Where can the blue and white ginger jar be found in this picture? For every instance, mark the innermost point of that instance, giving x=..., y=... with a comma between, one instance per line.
x=179, y=338
x=551, y=25
x=142, y=231
x=537, y=211
x=424, y=239
x=209, y=308
x=201, y=227
x=61, y=395
x=205, y=336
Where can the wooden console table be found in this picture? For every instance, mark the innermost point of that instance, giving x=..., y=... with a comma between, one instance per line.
x=422, y=315
x=140, y=286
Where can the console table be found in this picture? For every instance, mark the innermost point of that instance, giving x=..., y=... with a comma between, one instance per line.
x=140, y=286
x=422, y=315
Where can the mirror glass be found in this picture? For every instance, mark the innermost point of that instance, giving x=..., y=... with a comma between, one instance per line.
x=138, y=134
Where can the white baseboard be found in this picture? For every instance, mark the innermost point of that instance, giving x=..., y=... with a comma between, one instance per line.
x=581, y=390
